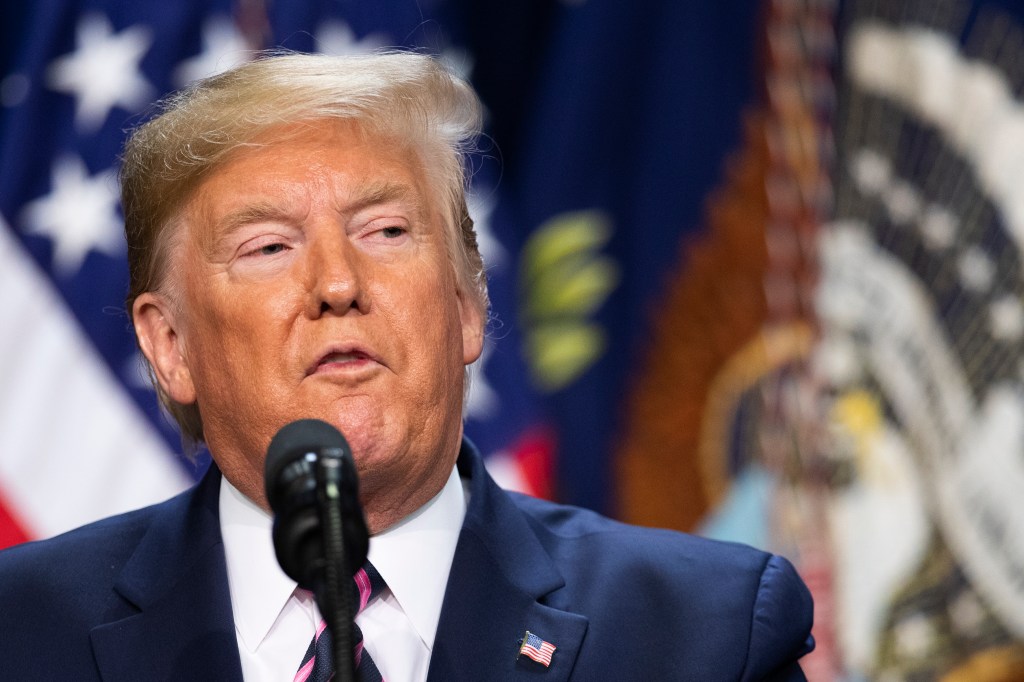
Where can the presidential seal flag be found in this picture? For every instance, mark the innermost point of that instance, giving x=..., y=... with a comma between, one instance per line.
x=81, y=434
x=839, y=373
x=923, y=339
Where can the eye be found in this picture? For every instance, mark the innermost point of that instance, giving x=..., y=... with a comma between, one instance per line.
x=262, y=248
x=270, y=249
x=385, y=232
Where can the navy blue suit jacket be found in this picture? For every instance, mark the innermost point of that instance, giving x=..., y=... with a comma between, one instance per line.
x=144, y=596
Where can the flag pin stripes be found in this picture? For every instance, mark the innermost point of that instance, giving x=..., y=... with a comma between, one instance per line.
x=536, y=648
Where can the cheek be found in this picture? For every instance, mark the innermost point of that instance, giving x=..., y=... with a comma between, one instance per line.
x=439, y=311
x=233, y=339
x=424, y=314
x=235, y=308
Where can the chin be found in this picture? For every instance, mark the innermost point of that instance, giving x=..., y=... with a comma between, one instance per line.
x=369, y=446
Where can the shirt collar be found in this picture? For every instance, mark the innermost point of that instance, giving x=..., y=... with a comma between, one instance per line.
x=259, y=588
x=415, y=556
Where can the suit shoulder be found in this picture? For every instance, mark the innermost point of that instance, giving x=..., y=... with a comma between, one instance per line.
x=711, y=577
x=564, y=524
x=80, y=559
x=752, y=608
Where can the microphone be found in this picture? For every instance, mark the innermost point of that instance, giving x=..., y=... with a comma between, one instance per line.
x=304, y=457
x=320, y=535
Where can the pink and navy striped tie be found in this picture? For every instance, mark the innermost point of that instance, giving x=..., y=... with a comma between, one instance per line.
x=316, y=665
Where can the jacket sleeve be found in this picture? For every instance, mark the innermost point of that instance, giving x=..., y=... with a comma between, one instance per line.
x=780, y=626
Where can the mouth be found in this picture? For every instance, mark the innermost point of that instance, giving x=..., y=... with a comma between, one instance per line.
x=342, y=359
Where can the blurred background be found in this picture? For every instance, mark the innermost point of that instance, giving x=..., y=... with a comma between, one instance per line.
x=755, y=266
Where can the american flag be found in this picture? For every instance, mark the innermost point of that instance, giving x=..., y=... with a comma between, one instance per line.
x=536, y=648
x=81, y=436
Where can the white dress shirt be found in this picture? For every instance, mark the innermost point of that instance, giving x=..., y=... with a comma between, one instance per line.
x=274, y=622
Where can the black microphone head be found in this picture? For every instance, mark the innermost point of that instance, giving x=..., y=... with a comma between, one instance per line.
x=293, y=442
x=313, y=489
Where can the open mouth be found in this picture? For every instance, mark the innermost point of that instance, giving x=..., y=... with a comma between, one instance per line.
x=344, y=357
x=352, y=357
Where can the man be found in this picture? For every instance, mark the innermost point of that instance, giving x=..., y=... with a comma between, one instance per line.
x=299, y=247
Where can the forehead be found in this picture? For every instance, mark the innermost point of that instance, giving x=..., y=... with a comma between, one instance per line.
x=334, y=158
x=251, y=177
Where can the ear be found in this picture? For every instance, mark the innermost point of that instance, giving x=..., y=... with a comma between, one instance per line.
x=472, y=329
x=159, y=337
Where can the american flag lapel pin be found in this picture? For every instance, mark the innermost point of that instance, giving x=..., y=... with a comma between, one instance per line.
x=536, y=648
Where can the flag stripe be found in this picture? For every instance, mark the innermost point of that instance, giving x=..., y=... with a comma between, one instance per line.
x=58, y=402
x=541, y=656
x=537, y=649
x=12, y=531
x=69, y=424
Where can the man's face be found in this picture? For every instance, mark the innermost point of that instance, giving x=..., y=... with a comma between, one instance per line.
x=314, y=282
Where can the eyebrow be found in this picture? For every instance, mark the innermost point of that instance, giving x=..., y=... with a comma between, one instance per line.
x=247, y=215
x=385, y=193
x=365, y=197
x=252, y=213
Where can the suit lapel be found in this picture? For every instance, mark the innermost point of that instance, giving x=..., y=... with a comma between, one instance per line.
x=500, y=584
x=175, y=591
x=173, y=620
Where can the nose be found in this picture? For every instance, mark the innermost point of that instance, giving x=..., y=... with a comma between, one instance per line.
x=335, y=277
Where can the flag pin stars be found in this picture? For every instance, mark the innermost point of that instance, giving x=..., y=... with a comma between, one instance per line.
x=536, y=648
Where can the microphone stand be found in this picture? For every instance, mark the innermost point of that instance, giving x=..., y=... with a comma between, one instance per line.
x=335, y=597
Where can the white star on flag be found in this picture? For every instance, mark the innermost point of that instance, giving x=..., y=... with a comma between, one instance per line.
x=939, y=227
x=977, y=271
x=79, y=215
x=480, y=203
x=1006, y=319
x=482, y=401
x=103, y=72
x=224, y=47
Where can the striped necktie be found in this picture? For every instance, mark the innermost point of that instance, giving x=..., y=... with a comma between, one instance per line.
x=316, y=665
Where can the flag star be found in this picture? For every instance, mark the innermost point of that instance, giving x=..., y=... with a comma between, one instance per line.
x=337, y=38
x=976, y=269
x=482, y=401
x=224, y=47
x=481, y=208
x=902, y=200
x=938, y=227
x=79, y=215
x=871, y=171
x=1006, y=319
x=103, y=72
